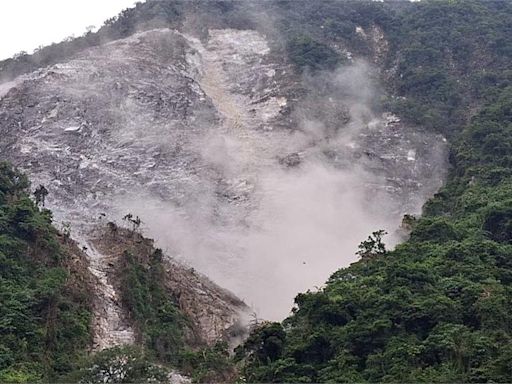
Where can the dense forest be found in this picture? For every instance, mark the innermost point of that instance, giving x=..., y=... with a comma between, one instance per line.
x=45, y=306
x=437, y=308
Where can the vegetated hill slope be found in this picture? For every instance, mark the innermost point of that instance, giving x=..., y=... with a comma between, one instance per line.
x=211, y=314
x=50, y=304
x=45, y=305
x=225, y=151
x=436, y=308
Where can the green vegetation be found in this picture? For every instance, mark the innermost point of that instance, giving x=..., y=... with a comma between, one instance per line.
x=128, y=364
x=156, y=316
x=165, y=342
x=308, y=53
x=209, y=365
x=44, y=312
x=448, y=54
x=437, y=308
x=163, y=329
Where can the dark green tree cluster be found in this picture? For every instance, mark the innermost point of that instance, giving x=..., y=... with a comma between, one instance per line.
x=165, y=332
x=209, y=365
x=311, y=54
x=446, y=54
x=44, y=318
x=438, y=307
x=435, y=309
x=156, y=315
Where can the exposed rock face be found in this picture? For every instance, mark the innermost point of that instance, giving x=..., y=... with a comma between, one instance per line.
x=112, y=326
x=215, y=313
x=218, y=314
x=240, y=168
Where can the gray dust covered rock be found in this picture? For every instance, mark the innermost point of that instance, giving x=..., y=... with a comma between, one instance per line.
x=261, y=178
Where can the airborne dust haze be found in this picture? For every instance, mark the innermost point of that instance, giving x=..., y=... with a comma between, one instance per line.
x=260, y=178
x=300, y=223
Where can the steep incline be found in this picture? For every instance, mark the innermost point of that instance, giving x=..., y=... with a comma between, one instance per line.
x=238, y=166
x=111, y=325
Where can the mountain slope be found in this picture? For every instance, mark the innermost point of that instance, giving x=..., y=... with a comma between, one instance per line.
x=436, y=308
x=46, y=308
x=207, y=141
x=257, y=144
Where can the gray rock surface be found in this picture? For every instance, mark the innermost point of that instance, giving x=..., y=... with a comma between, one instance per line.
x=263, y=179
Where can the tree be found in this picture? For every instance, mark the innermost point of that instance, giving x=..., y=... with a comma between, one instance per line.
x=40, y=194
x=66, y=230
x=373, y=246
x=113, y=228
x=136, y=222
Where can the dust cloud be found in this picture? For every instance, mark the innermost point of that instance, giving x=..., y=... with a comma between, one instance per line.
x=295, y=225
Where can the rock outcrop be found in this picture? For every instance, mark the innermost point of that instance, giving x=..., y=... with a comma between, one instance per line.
x=215, y=314
x=239, y=167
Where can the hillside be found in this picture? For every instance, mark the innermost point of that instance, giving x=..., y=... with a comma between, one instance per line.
x=46, y=308
x=49, y=296
x=221, y=147
x=436, y=308
x=259, y=143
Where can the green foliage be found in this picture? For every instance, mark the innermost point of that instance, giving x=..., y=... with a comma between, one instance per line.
x=437, y=308
x=156, y=316
x=119, y=365
x=209, y=365
x=264, y=344
x=448, y=54
x=44, y=320
x=162, y=326
x=373, y=246
x=308, y=53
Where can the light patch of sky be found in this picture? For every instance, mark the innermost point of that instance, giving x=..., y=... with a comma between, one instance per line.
x=28, y=24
